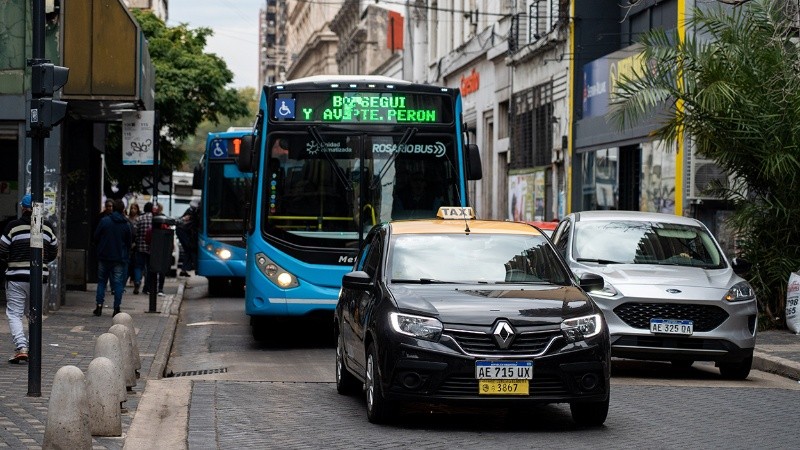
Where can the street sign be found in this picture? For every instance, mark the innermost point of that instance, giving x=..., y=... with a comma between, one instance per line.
x=138, y=138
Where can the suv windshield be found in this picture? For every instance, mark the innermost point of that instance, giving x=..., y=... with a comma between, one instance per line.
x=631, y=242
x=474, y=258
x=324, y=189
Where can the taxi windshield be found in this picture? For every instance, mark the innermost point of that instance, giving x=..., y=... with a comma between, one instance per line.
x=474, y=258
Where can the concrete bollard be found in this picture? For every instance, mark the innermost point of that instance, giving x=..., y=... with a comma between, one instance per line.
x=68, y=412
x=127, y=320
x=128, y=372
x=108, y=346
x=102, y=393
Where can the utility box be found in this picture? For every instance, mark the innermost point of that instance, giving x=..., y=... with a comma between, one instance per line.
x=161, y=246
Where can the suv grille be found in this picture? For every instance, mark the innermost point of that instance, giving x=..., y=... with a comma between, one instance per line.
x=524, y=343
x=638, y=315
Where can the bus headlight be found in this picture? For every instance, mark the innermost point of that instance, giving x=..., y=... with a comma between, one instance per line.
x=275, y=273
x=224, y=253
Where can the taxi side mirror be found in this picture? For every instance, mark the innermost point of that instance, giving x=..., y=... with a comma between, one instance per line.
x=591, y=282
x=357, y=280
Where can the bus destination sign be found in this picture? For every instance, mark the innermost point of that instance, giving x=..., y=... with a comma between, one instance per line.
x=362, y=107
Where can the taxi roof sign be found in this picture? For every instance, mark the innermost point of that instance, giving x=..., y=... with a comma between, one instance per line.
x=456, y=212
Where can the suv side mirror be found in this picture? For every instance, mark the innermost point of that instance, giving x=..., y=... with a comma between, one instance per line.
x=591, y=282
x=741, y=266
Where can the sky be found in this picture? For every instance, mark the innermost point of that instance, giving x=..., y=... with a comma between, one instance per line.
x=235, y=25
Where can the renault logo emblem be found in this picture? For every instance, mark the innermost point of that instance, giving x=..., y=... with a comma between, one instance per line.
x=503, y=334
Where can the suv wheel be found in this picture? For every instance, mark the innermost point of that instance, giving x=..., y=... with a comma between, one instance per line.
x=736, y=371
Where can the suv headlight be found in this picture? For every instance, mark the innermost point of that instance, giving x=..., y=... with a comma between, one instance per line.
x=420, y=327
x=740, y=292
x=580, y=328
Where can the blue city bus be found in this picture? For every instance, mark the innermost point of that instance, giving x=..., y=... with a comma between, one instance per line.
x=331, y=157
x=225, y=192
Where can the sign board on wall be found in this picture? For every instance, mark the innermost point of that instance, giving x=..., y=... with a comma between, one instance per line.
x=137, y=137
x=526, y=195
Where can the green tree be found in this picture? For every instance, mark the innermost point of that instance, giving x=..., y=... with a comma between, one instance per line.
x=734, y=89
x=191, y=87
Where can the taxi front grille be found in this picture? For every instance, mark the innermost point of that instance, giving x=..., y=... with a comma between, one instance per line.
x=540, y=385
x=704, y=317
x=523, y=343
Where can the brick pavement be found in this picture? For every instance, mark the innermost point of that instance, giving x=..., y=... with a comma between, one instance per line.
x=69, y=335
x=68, y=338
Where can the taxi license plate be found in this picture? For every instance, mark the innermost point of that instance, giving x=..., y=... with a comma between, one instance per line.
x=671, y=326
x=503, y=387
x=503, y=377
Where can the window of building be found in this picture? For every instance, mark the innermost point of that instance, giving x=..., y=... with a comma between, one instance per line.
x=532, y=127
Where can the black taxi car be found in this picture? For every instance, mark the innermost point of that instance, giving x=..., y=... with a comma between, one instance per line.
x=462, y=311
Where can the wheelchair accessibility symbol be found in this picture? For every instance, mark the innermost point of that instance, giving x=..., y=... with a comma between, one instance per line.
x=219, y=148
x=284, y=108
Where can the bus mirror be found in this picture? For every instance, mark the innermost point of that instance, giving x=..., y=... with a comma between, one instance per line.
x=246, y=153
x=474, y=170
x=197, y=178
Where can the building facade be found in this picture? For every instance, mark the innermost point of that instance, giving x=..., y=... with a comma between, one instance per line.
x=311, y=46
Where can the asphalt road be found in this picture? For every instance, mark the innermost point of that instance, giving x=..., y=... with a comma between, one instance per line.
x=281, y=394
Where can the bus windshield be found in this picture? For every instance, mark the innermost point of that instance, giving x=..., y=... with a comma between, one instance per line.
x=325, y=189
x=226, y=194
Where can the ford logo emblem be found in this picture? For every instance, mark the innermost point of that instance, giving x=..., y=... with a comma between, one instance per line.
x=674, y=291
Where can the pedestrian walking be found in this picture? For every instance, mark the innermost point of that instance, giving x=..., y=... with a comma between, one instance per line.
x=143, y=233
x=133, y=214
x=187, y=236
x=113, y=238
x=15, y=250
x=158, y=278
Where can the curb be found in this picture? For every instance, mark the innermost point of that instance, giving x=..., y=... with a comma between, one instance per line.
x=165, y=346
x=777, y=365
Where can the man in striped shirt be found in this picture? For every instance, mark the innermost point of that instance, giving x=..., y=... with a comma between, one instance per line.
x=15, y=250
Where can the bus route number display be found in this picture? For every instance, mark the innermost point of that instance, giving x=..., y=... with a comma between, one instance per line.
x=361, y=107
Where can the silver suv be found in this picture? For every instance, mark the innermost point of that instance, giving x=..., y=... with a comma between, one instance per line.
x=670, y=294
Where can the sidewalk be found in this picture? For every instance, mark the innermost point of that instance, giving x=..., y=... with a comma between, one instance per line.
x=69, y=335
x=68, y=338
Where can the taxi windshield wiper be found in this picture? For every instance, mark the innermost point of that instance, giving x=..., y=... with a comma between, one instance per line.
x=599, y=261
x=421, y=281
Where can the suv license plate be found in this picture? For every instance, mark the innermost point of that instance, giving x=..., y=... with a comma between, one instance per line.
x=671, y=326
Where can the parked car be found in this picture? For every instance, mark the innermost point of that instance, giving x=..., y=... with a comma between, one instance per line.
x=670, y=293
x=469, y=311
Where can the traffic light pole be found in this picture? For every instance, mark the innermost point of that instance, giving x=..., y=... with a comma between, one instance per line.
x=37, y=196
x=44, y=114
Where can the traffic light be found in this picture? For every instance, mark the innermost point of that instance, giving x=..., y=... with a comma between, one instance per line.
x=46, y=79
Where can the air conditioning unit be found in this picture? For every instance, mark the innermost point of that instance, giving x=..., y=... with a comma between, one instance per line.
x=703, y=174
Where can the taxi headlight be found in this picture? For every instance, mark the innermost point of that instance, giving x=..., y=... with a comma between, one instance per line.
x=420, y=327
x=741, y=291
x=580, y=328
x=275, y=273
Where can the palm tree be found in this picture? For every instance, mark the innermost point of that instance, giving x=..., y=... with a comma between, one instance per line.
x=734, y=90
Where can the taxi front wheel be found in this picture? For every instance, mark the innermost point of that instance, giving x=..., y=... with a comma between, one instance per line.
x=346, y=383
x=379, y=409
x=590, y=414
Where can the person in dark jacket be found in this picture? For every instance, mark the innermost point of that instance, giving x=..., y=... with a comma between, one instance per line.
x=113, y=238
x=15, y=250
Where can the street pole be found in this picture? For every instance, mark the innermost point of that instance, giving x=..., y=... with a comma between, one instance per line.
x=156, y=178
x=44, y=114
x=37, y=193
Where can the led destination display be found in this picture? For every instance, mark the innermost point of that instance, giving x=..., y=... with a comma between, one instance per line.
x=362, y=107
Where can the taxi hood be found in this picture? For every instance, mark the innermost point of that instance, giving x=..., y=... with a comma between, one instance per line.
x=482, y=305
